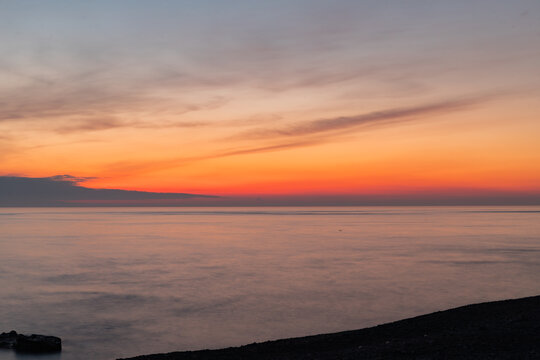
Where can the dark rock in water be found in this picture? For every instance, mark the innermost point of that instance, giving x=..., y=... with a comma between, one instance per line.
x=8, y=340
x=38, y=343
x=32, y=344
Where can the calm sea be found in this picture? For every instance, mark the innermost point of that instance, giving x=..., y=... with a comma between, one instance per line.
x=114, y=282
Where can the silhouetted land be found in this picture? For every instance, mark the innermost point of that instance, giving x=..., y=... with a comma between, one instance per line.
x=63, y=190
x=508, y=329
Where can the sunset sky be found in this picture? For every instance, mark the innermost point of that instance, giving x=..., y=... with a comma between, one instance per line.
x=274, y=98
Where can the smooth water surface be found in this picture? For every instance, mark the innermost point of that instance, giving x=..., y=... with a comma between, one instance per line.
x=115, y=282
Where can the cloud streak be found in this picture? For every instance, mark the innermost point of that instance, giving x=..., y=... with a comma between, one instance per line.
x=307, y=134
x=97, y=101
x=377, y=118
x=137, y=167
x=91, y=124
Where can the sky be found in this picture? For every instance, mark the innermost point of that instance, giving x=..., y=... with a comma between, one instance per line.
x=255, y=98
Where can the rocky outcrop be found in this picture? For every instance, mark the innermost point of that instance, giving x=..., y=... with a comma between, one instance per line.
x=8, y=340
x=30, y=343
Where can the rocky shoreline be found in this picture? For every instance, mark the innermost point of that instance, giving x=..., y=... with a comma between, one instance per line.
x=37, y=344
x=508, y=329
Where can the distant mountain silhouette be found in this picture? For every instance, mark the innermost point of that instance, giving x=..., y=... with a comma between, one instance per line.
x=63, y=190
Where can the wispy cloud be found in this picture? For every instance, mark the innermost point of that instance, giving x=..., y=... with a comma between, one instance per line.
x=310, y=133
x=121, y=168
x=91, y=124
x=377, y=118
x=71, y=178
x=105, y=123
x=269, y=148
x=99, y=101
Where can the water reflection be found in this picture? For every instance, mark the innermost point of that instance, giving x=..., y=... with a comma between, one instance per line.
x=121, y=282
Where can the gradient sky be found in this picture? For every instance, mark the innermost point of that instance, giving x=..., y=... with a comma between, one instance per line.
x=274, y=97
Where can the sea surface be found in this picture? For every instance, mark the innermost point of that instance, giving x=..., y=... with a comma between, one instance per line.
x=117, y=282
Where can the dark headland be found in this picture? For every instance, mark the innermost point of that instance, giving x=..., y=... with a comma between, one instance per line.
x=508, y=329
